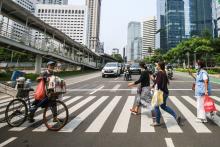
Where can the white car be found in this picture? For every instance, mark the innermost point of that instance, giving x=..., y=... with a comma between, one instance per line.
x=111, y=68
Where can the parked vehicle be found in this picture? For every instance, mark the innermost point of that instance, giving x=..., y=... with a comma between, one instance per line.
x=135, y=68
x=111, y=68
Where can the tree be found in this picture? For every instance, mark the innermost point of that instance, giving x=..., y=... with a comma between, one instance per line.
x=150, y=50
x=118, y=57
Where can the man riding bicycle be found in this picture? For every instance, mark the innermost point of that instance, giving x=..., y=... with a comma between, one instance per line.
x=41, y=103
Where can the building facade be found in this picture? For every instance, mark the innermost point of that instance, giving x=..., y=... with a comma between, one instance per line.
x=134, y=41
x=58, y=2
x=149, y=36
x=70, y=19
x=115, y=51
x=217, y=16
x=94, y=12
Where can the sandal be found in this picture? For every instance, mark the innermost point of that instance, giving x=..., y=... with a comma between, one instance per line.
x=134, y=112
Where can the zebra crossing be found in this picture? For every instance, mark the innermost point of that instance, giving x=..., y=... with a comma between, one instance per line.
x=123, y=120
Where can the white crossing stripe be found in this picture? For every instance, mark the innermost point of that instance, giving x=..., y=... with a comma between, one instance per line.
x=73, y=124
x=199, y=127
x=97, y=90
x=134, y=90
x=146, y=121
x=4, y=96
x=171, y=124
x=7, y=141
x=215, y=98
x=216, y=118
x=169, y=142
x=98, y=123
x=5, y=102
x=115, y=88
x=42, y=128
x=121, y=125
x=37, y=118
x=3, y=125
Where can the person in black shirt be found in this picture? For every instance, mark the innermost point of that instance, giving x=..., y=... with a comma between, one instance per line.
x=143, y=88
x=161, y=83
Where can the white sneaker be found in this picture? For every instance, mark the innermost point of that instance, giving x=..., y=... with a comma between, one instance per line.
x=204, y=121
x=198, y=120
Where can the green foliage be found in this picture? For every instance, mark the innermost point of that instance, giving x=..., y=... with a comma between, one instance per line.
x=118, y=57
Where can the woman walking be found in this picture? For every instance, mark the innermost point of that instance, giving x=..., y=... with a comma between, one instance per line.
x=161, y=83
x=202, y=88
x=143, y=89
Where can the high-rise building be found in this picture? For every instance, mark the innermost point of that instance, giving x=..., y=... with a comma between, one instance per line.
x=115, y=51
x=149, y=36
x=94, y=12
x=198, y=16
x=59, y=2
x=175, y=22
x=134, y=41
x=101, y=48
x=70, y=19
x=217, y=16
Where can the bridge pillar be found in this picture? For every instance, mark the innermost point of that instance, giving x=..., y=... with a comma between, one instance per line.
x=38, y=62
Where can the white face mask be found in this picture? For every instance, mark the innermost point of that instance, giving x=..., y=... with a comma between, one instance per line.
x=196, y=67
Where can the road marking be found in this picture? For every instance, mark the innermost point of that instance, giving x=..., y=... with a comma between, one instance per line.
x=216, y=119
x=146, y=121
x=5, y=96
x=121, y=125
x=7, y=141
x=5, y=102
x=171, y=124
x=74, y=108
x=215, y=98
x=116, y=79
x=73, y=124
x=199, y=127
x=97, y=90
x=37, y=118
x=103, y=116
x=169, y=142
x=115, y=88
x=3, y=125
x=84, y=79
x=133, y=90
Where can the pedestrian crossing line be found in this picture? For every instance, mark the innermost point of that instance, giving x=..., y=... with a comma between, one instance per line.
x=7, y=141
x=5, y=102
x=169, y=142
x=216, y=119
x=115, y=88
x=3, y=110
x=97, y=90
x=4, y=96
x=73, y=124
x=37, y=118
x=146, y=121
x=134, y=90
x=216, y=98
x=3, y=125
x=121, y=125
x=98, y=123
x=171, y=124
x=198, y=127
x=42, y=127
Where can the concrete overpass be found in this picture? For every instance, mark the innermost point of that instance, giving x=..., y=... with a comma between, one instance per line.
x=55, y=44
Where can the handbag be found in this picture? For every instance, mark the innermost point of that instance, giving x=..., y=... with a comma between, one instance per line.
x=209, y=104
x=40, y=91
x=157, y=98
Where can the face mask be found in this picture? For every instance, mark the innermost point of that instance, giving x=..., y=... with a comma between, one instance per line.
x=196, y=67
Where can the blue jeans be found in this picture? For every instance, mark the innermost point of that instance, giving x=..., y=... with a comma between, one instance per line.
x=165, y=108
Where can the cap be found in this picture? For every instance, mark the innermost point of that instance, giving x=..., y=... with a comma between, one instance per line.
x=50, y=63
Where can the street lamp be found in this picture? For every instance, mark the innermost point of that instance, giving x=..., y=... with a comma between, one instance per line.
x=194, y=58
x=188, y=58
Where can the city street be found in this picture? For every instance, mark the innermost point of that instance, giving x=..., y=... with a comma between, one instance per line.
x=99, y=116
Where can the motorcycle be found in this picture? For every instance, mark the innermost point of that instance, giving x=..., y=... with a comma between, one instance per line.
x=127, y=76
x=170, y=74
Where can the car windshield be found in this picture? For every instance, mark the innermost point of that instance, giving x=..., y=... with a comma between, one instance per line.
x=111, y=65
x=135, y=66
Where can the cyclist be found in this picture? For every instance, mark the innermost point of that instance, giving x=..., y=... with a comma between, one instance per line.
x=41, y=103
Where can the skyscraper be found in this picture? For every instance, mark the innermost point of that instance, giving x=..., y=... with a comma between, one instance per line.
x=218, y=17
x=134, y=41
x=149, y=36
x=59, y=2
x=175, y=22
x=94, y=12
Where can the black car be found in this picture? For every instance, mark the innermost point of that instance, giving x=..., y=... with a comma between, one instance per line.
x=135, y=68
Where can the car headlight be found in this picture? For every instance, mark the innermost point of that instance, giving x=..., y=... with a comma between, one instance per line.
x=115, y=70
x=103, y=70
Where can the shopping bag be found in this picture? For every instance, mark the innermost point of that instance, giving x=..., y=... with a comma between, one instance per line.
x=40, y=91
x=157, y=98
x=209, y=104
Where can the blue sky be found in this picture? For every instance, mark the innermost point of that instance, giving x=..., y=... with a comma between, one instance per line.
x=115, y=17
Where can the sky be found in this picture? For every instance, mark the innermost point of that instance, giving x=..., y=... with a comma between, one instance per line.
x=115, y=16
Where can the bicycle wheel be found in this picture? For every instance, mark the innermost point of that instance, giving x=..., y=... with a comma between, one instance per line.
x=16, y=113
x=55, y=115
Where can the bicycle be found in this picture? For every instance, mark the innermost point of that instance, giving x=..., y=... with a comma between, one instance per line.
x=17, y=110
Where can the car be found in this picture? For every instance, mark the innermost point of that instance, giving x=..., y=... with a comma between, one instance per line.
x=135, y=68
x=111, y=68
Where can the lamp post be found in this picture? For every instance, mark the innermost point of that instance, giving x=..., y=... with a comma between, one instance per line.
x=188, y=58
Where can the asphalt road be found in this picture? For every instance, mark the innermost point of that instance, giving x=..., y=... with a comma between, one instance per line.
x=100, y=117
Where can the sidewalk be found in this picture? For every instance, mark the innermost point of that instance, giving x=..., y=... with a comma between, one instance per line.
x=214, y=78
